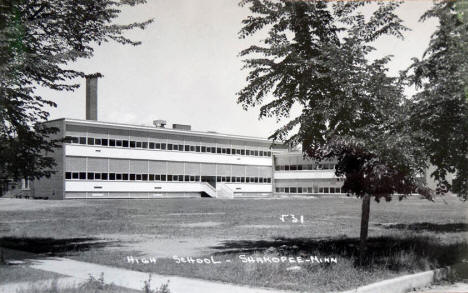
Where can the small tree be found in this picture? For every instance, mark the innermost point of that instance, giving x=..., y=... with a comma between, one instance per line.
x=38, y=39
x=316, y=56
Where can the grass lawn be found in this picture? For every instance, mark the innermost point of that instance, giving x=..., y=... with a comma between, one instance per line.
x=23, y=273
x=406, y=236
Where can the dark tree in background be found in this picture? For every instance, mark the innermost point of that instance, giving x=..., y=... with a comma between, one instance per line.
x=316, y=59
x=38, y=39
x=439, y=111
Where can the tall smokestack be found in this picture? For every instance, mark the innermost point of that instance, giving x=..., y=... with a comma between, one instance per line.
x=91, y=95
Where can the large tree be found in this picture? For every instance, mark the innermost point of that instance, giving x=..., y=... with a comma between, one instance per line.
x=439, y=110
x=316, y=56
x=38, y=40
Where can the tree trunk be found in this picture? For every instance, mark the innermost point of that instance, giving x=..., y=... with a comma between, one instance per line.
x=364, y=228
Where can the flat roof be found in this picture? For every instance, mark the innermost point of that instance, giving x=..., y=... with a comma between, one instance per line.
x=161, y=130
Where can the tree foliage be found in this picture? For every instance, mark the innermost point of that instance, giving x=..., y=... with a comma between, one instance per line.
x=316, y=57
x=439, y=111
x=38, y=40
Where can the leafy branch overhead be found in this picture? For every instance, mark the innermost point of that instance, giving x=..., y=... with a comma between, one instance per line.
x=39, y=39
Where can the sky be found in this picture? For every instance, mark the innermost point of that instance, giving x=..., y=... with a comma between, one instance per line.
x=188, y=71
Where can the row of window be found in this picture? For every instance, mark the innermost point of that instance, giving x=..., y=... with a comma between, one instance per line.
x=161, y=177
x=319, y=166
x=316, y=189
x=164, y=146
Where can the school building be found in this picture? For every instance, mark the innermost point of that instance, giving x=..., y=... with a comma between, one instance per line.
x=114, y=160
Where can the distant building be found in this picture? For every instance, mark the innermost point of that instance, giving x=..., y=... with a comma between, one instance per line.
x=113, y=160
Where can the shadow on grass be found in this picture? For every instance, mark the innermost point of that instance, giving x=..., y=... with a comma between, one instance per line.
x=431, y=227
x=51, y=247
x=393, y=252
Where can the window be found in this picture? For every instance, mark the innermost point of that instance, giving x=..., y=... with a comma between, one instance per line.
x=239, y=152
x=111, y=142
x=187, y=178
x=163, y=177
x=256, y=153
x=228, y=179
x=144, y=145
x=90, y=141
x=125, y=176
x=82, y=140
x=268, y=154
x=260, y=153
x=169, y=177
x=125, y=143
x=299, y=190
x=111, y=176
x=97, y=141
x=218, y=150
x=151, y=145
x=197, y=148
x=82, y=175
x=218, y=178
x=68, y=175
x=158, y=146
x=228, y=151
x=192, y=148
x=157, y=177
x=242, y=152
x=151, y=177
x=247, y=152
x=138, y=177
x=104, y=141
x=103, y=176
x=181, y=147
x=97, y=176
x=144, y=177
x=163, y=146
x=292, y=189
x=90, y=176
x=137, y=144
x=132, y=144
x=192, y=178
x=118, y=143
x=247, y=179
x=223, y=150
x=169, y=146
x=203, y=149
x=118, y=176
x=286, y=189
x=132, y=177
x=187, y=148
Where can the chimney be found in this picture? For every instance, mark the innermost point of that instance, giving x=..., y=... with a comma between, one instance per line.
x=91, y=95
